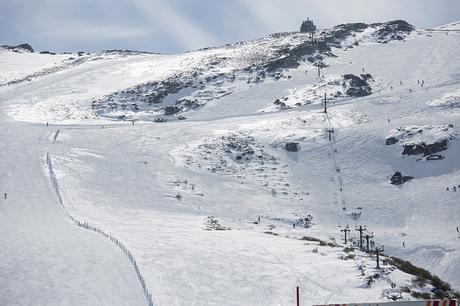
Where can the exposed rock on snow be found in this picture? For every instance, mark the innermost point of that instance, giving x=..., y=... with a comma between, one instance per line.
x=450, y=100
x=424, y=148
x=212, y=224
x=435, y=157
x=241, y=156
x=393, y=30
x=424, y=140
x=336, y=88
x=398, y=178
x=357, y=86
x=19, y=48
x=351, y=34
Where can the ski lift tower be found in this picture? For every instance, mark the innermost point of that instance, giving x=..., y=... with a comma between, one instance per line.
x=308, y=27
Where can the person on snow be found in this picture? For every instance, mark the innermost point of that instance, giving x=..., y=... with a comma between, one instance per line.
x=5, y=196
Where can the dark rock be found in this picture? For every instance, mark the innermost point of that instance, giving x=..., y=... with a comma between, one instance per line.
x=391, y=140
x=398, y=178
x=292, y=146
x=435, y=157
x=171, y=110
x=47, y=52
x=425, y=149
x=359, y=91
x=358, y=86
x=355, y=81
x=25, y=47
x=393, y=30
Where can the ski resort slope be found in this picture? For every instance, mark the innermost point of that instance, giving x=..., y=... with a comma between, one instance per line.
x=45, y=260
x=155, y=186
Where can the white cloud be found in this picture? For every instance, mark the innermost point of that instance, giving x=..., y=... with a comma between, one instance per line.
x=185, y=31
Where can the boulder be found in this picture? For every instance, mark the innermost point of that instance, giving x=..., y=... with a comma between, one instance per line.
x=398, y=178
x=391, y=140
x=292, y=147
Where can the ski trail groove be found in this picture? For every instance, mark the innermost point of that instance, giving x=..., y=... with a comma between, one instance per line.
x=87, y=226
x=336, y=170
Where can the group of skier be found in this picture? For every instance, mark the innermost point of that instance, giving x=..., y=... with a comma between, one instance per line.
x=454, y=188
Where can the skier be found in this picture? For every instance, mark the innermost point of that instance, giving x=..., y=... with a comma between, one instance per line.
x=404, y=244
x=391, y=87
x=454, y=189
x=388, y=120
x=457, y=230
x=47, y=124
x=5, y=196
x=400, y=83
x=447, y=189
x=418, y=81
x=258, y=219
x=293, y=225
x=133, y=122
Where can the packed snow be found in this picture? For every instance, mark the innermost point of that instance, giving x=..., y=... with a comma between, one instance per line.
x=182, y=160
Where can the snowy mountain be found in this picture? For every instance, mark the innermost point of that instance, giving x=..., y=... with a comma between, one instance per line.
x=214, y=177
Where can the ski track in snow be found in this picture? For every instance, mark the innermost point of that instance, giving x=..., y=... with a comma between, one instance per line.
x=131, y=180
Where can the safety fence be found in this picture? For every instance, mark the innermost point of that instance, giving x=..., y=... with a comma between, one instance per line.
x=87, y=226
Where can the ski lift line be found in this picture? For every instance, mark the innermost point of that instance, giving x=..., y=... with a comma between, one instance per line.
x=87, y=226
x=339, y=196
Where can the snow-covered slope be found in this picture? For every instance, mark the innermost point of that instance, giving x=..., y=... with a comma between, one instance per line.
x=163, y=186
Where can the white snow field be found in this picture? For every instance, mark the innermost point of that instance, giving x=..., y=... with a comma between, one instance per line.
x=184, y=196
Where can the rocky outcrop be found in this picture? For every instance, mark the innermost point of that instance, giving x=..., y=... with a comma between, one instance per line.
x=171, y=110
x=393, y=30
x=391, y=140
x=424, y=148
x=357, y=86
x=19, y=48
x=47, y=52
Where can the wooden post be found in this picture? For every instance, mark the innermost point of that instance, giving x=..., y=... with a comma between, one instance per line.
x=367, y=237
x=378, y=251
x=298, y=296
x=325, y=101
x=345, y=231
x=360, y=229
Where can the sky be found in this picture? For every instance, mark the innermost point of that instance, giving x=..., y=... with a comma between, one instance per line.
x=170, y=26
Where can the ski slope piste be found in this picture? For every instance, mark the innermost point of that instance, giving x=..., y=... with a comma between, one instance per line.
x=220, y=177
